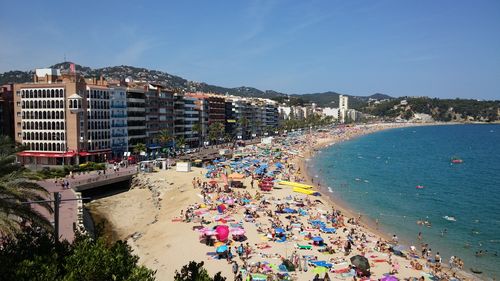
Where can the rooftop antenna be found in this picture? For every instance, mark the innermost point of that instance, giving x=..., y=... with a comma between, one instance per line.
x=64, y=57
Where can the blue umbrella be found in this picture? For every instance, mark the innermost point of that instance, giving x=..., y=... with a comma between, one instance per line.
x=279, y=230
x=289, y=210
x=317, y=239
x=221, y=249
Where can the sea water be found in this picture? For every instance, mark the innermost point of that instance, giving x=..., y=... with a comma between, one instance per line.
x=377, y=175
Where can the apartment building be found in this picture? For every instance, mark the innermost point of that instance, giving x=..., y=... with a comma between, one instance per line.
x=159, y=115
x=7, y=110
x=61, y=119
x=136, y=115
x=211, y=109
x=118, y=122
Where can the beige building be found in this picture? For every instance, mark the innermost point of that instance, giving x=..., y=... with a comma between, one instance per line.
x=61, y=119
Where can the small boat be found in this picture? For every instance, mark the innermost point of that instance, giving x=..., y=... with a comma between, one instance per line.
x=449, y=218
x=456, y=160
x=295, y=184
x=475, y=270
x=304, y=191
x=420, y=186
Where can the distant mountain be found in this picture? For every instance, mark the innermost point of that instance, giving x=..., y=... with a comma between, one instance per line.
x=175, y=82
x=459, y=110
x=16, y=76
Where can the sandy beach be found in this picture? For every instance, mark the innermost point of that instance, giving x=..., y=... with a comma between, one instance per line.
x=152, y=217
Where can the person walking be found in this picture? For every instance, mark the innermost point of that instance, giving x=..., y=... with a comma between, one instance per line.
x=235, y=269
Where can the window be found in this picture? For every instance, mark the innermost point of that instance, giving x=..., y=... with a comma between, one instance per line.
x=18, y=104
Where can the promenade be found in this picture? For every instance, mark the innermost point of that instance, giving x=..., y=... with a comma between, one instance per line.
x=68, y=211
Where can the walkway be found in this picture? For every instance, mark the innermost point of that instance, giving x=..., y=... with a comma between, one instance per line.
x=68, y=212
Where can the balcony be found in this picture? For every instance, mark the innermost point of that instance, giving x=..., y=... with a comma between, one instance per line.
x=118, y=115
x=118, y=135
x=121, y=125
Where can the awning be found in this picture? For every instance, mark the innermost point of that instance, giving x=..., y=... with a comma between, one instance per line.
x=154, y=146
x=46, y=154
x=87, y=153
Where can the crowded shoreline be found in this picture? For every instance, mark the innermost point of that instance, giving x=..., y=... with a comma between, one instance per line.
x=170, y=214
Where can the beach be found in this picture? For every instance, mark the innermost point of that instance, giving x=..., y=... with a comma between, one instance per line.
x=161, y=217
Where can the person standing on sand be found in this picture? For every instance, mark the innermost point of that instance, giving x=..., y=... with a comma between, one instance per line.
x=235, y=268
x=395, y=239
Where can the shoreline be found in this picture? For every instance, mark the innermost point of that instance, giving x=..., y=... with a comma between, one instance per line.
x=366, y=222
x=146, y=215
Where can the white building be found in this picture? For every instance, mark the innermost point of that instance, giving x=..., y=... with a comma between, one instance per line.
x=343, y=107
x=331, y=111
x=119, y=132
x=98, y=109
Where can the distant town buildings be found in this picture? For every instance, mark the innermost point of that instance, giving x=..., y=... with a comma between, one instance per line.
x=63, y=118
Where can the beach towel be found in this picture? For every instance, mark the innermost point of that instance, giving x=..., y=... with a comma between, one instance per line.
x=343, y=271
x=304, y=247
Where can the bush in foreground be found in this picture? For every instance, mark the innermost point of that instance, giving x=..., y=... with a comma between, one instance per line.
x=33, y=255
x=195, y=272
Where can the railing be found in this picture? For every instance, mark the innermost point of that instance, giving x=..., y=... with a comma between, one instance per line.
x=118, y=125
x=102, y=177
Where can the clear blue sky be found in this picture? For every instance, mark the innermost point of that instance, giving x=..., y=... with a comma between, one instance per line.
x=435, y=48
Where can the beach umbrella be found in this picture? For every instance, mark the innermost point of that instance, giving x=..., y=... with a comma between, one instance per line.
x=317, y=239
x=238, y=231
x=221, y=249
x=258, y=277
x=221, y=208
x=399, y=249
x=360, y=262
x=320, y=270
x=222, y=232
x=236, y=176
x=389, y=278
x=279, y=230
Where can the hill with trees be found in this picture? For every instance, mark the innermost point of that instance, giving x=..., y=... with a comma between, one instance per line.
x=459, y=110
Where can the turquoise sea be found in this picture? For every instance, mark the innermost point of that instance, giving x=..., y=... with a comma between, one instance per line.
x=377, y=175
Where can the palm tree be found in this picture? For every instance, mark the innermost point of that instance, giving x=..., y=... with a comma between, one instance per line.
x=180, y=141
x=139, y=147
x=216, y=131
x=164, y=136
x=197, y=129
x=15, y=191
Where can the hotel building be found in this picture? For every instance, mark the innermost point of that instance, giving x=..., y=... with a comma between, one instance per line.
x=61, y=119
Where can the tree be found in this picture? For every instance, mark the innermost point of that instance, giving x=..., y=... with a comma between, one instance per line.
x=180, y=141
x=195, y=272
x=165, y=137
x=243, y=123
x=139, y=147
x=34, y=255
x=197, y=129
x=16, y=189
x=216, y=131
